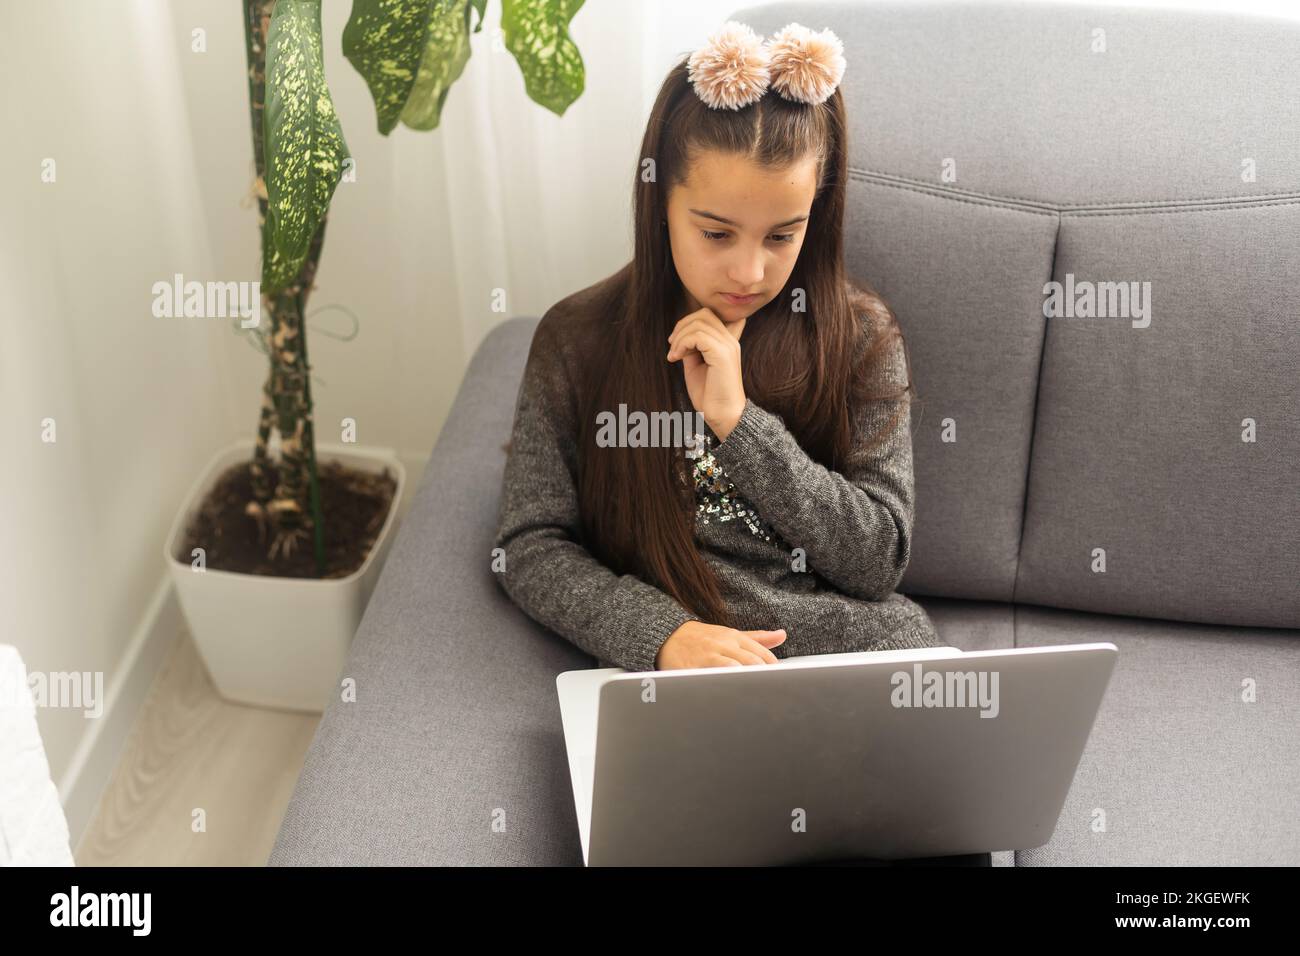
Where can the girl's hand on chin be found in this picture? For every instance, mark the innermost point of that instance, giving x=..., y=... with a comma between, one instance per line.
x=709, y=350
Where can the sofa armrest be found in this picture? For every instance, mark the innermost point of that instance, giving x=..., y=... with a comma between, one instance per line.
x=453, y=752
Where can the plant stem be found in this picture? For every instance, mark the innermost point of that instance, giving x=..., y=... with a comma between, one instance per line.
x=286, y=395
x=257, y=14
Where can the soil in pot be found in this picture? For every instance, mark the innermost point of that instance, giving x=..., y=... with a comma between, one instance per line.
x=354, y=505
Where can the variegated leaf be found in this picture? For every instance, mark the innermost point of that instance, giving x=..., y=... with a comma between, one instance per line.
x=446, y=51
x=537, y=33
x=302, y=138
x=384, y=40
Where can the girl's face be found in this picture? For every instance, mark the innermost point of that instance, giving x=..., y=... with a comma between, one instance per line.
x=735, y=227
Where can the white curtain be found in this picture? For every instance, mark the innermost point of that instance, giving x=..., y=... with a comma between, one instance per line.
x=541, y=205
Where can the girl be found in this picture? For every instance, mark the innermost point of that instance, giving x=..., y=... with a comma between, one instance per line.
x=784, y=526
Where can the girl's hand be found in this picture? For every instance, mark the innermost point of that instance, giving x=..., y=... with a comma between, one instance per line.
x=709, y=350
x=696, y=644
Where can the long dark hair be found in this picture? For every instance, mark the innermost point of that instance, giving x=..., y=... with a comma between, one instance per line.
x=811, y=367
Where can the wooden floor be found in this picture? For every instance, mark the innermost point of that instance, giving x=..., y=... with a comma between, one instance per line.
x=191, y=750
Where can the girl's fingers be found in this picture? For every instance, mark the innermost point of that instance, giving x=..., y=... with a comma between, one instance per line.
x=675, y=338
x=758, y=650
x=684, y=321
x=678, y=348
x=712, y=320
x=688, y=340
x=704, y=340
x=690, y=323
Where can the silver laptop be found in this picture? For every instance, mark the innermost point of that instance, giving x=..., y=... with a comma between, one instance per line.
x=879, y=754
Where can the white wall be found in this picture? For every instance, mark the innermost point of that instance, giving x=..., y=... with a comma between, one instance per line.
x=138, y=403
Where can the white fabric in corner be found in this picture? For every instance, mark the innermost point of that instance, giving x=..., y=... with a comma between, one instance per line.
x=33, y=829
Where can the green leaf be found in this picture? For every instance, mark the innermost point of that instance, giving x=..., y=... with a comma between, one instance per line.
x=384, y=40
x=302, y=138
x=479, y=6
x=537, y=33
x=446, y=51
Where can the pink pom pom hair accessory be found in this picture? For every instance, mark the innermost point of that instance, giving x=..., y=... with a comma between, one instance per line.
x=735, y=67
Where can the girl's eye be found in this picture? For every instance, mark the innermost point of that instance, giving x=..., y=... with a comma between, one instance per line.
x=719, y=236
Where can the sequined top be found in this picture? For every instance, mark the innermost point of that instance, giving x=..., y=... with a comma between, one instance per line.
x=792, y=544
x=718, y=499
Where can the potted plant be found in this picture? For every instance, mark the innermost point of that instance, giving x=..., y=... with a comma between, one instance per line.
x=274, y=559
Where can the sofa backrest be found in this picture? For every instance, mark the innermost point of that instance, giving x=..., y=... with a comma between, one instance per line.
x=996, y=148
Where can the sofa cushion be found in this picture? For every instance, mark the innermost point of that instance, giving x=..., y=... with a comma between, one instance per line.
x=971, y=625
x=964, y=276
x=1180, y=769
x=1138, y=451
x=1030, y=102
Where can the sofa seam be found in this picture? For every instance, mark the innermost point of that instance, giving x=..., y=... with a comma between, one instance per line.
x=1045, y=206
x=1222, y=207
x=1033, y=428
x=970, y=199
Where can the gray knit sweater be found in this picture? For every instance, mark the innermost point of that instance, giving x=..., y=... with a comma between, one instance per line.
x=759, y=497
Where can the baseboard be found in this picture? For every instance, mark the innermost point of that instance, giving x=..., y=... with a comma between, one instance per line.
x=101, y=746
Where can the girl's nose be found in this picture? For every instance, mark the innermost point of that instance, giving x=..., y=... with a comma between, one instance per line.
x=748, y=272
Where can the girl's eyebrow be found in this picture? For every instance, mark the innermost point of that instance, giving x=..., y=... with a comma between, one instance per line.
x=779, y=225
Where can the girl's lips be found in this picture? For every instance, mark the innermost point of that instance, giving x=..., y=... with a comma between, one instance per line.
x=739, y=299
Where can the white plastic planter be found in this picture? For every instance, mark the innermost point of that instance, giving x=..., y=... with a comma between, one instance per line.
x=272, y=641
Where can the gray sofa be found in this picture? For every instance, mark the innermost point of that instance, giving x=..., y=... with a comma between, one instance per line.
x=1077, y=440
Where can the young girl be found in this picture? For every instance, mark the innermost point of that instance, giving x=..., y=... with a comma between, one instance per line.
x=786, y=527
